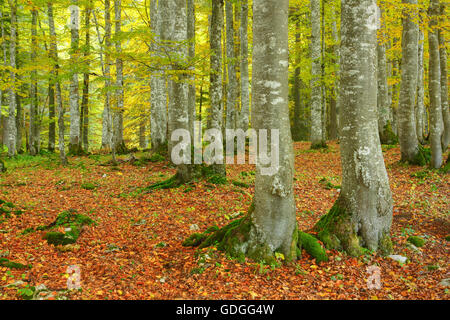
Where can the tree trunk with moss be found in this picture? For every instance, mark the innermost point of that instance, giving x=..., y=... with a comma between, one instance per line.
x=420, y=104
x=75, y=139
x=270, y=226
x=362, y=215
x=11, y=122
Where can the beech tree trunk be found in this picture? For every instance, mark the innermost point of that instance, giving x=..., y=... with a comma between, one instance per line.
x=317, y=140
x=85, y=97
x=444, y=84
x=231, y=68
x=362, y=215
x=34, y=120
x=244, y=114
x=107, y=113
x=407, y=133
x=54, y=80
x=158, y=111
x=420, y=105
x=434, y=86
x=11, y=127
x=75, y=140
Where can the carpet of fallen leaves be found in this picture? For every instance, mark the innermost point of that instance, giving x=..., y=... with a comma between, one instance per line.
x=135, y=252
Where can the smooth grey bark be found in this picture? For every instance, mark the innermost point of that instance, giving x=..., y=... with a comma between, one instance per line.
x=75, y=140
x=232, y=84
x=273, y=227
x=54, y=80
x=362, y=215
x=244, y=114
x=444, y=84
x=11, y=127
x=191, y=38
x=215, y=114
x=84, y=113
x=158, y=113
x=174, y=19
x=107, y=112
x=118, y=143
x=420, y=104
x=334, y=100
x=34, y=120
x=434, y=87
x=407, y=134
x=316, y=81
x=5, y=64
x=384, y=128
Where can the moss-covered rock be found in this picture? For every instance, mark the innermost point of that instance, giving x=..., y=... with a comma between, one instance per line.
x=417, y=241
x=312, y=246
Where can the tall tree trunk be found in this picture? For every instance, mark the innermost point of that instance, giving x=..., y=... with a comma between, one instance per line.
x=244, y=114
x=334, y=106
x=158, y=113
x=444, y=83
x=75, y=139
x=12, y=129
x=384, y=126
x=175, y=21
x=299, y=129
x=317, y=140
x=231, y=68
x=420, y=105
x=362, y=215
x=215, y=116
x=118, y=143
x=34, y=124
x=54, y=81
x=409, y=145
x=107, y=113
x=5, y=64
x=84, y=114
x=434, y=86
x=191, y=38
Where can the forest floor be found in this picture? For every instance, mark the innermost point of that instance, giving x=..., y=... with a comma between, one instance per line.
x=134, y=250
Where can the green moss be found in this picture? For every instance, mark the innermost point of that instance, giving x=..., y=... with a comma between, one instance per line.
x=88, y=186
x=447, y=238
x=387, y=136
x=423, y=156
x=319, y=145
x=60, y=238
x=417, y=241
x=217, y=179
x=156, y=157
x=385, y=245
x=13, y=265
x=312, y=246
x=240, y=184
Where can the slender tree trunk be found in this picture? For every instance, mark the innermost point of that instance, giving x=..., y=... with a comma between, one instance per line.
x=107, y=113
x=216, y=89
x=191, y=38
x=434, y=86
x=34, y=124
x=244, y=114
x=444, y=84
x=317, y=140
x=118, y=143
x=334, y=106
x=158, y=113
x=5, y=64
x=12, y=129
x=298, y=130
x=362, y=215
x=75, y=139
x=85, y=97
x=420, y=105
x=230, y=61
x=54, y=81
x=407, y=133
x=384, y=126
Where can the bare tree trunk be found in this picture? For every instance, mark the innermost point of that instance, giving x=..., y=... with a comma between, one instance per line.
x=231, y=70
x=409, y=145
x=75, y=139
x=54, y=81
x=12, y=129
x=158, y=113
x=85, y=97
x=362, y=215
x=5, y=64
x=216, y=90
x=436, y=121
x=334, y=105
x=317, y=140
x=34, y=121
x=191, y=38
x=444, y=85
x=244, y=114
x=107, y=113
x=420, y=105
x=118, y=143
